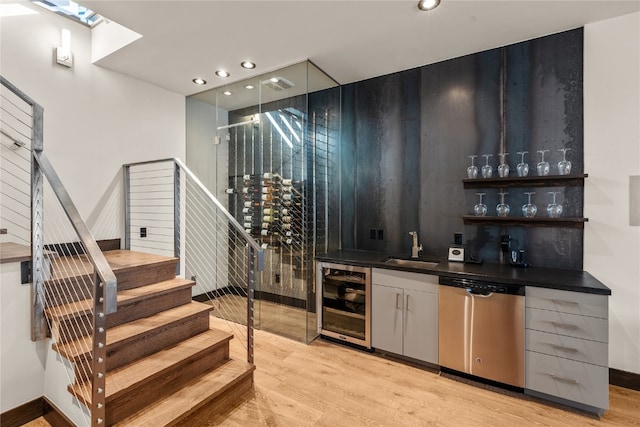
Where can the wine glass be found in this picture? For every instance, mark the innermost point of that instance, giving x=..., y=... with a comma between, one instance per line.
x=564, y=166
x=529, y=210
x=487, y=169
x=554, y=210
x=522, y=168
x=542, y=166
x=480, y=209
x=472, y=171
x=502, y=209
x=503, y=168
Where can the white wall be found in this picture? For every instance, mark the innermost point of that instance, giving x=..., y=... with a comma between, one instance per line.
x=612, y=155
x=94, y=121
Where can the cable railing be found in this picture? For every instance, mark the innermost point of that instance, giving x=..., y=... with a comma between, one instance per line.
x=69, y=271
x=168, y=209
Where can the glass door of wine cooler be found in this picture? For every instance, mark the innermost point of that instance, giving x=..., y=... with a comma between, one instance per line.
x=346, y=303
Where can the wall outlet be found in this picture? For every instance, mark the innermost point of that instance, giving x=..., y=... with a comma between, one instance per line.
x=143, y=231
x=372, y=234
x=380, y=234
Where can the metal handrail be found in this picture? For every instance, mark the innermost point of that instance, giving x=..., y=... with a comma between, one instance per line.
x=94, y=254
x=236, y=225
x=255, y=253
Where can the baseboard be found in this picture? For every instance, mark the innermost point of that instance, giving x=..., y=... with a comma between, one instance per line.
x=624, y=379
x=23, y=414
x=54, y=416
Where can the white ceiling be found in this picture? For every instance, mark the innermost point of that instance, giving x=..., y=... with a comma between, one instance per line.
x=349, y=40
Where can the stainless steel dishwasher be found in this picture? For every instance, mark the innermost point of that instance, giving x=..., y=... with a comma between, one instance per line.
x=481, y=329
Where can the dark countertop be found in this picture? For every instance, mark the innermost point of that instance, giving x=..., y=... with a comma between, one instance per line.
x=554, y=278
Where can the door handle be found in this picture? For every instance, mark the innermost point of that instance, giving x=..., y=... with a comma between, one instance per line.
x=397, y=302
x=407, y=306
x=563, y=379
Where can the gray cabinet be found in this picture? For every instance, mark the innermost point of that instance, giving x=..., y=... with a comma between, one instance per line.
x=567, y=347
x=404, y=314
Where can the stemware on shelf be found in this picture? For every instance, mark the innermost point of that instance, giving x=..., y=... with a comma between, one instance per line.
x=503, y=168
x=529, y=210
x=522, y=169
x=480, y=209
x=487, y=169
x=554, y=210
x=502, y=209
x=564, y=165
x=542, y=166
x=472, y=171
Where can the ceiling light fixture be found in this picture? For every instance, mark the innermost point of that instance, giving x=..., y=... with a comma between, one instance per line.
x=227, y=93
x=428, y=4
x=222, y=73
x=199, y=81
x=249, y=87
x=274, y=79
x=248, y=65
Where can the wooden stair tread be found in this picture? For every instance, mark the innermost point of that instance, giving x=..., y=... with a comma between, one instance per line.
x=191, y=397
x=119, y=260
x=142, y=371
x=127, y=296
x=81, y=348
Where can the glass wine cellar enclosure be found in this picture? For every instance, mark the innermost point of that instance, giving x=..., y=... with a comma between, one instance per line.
x=267, y=148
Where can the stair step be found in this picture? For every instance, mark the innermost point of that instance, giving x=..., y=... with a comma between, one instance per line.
x=193, y=396
x=139, y=383
x=73, y=320
x=74, y=274
x=133, y=340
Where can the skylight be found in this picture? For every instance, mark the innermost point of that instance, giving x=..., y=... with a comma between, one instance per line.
x=71, y=10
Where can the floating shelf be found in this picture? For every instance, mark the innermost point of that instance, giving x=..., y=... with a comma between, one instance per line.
x=526, y=222
x=526, y=181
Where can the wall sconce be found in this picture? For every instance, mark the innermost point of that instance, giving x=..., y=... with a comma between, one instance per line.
x=63, y=53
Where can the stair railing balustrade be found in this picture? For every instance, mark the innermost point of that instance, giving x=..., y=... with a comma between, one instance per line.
x=68, y=268
x=169, y=211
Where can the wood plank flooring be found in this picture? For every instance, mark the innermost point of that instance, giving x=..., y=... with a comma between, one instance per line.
x=327, y=384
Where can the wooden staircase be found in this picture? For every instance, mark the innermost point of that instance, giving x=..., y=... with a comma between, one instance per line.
x=164, y=361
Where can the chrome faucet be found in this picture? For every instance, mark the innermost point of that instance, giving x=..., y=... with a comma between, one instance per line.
x=415, y=249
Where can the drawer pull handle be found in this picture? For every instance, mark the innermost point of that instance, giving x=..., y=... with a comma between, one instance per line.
x=565, y=326
x=397, y=301
x=560, y=301
x=563, y=379
x=563, y=348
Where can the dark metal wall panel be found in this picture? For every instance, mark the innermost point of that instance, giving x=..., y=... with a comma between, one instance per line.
x=406, y=138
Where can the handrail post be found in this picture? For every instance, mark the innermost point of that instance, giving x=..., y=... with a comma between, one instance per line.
x=176, y=216
x=127, y=206
x=99, y=354
x=251, y=271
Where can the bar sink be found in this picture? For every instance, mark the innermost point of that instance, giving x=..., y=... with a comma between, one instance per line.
x=412, y=263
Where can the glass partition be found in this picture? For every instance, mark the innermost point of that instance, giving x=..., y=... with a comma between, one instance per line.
x=268, y=147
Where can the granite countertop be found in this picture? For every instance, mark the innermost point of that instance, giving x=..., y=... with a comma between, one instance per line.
x=553, y=278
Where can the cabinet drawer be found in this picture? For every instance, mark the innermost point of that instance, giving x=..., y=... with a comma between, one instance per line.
x=579, y=382
x=572, y=325
x=568, y=302
x=593, y=352
x=405, y=280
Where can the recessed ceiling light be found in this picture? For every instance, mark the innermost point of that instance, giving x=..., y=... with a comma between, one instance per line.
x=249, y=87
x=428, y=4
x=227, y=93
x=274, y=79
x=222, y=73
x=199, y=81
x=248, y=65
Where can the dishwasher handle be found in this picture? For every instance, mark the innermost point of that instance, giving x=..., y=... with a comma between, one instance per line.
x=478, y=293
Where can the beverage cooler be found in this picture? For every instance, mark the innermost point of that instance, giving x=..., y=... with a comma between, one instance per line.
x=345, y=302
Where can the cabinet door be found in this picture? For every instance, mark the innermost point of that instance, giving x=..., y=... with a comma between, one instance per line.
x=421, y=325
x=386, y=318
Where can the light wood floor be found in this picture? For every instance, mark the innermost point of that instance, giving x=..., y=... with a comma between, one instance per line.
x=327, y=384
